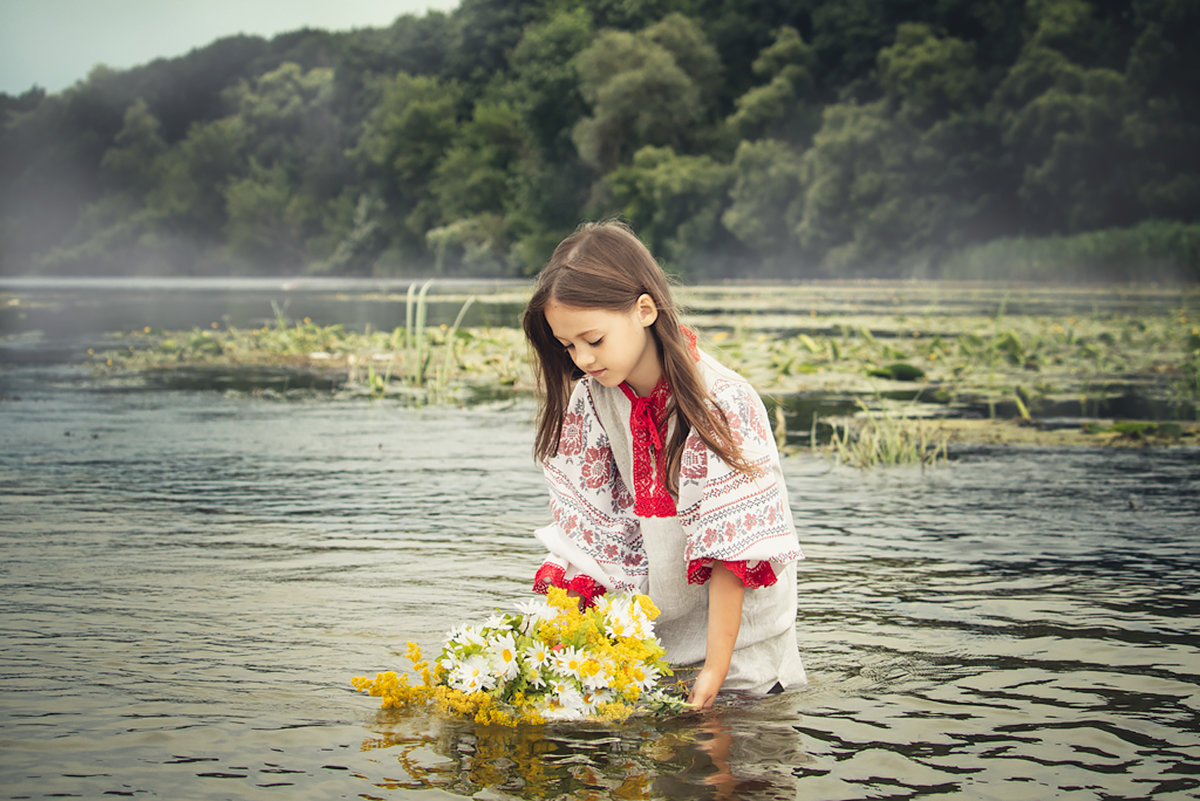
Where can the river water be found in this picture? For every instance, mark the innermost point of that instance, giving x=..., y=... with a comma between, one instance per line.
x=189, y=580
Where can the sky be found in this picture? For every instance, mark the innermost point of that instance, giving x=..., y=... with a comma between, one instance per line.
x=54, y=43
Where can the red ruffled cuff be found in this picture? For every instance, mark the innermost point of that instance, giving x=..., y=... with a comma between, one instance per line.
x=551, y=575
x=761, y=575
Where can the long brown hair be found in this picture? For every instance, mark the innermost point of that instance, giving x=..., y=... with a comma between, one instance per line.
x=605, y=266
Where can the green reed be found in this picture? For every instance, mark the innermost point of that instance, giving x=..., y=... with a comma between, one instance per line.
x=876, y=439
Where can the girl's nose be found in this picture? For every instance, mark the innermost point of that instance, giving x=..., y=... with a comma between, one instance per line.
x=584, y=356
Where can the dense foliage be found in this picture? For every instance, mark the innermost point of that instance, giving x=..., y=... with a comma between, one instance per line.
x=739, y=137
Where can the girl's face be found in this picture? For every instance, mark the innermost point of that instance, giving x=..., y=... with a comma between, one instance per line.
x=610, y=346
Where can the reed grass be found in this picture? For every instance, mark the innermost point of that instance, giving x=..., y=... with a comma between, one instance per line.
x=873, y=438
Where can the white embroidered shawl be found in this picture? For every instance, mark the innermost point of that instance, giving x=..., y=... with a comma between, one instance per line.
x=726, y=515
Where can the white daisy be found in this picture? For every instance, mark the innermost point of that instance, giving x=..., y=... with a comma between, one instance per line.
x=591, y=699
x=537, y=655
x=503, y=657
x=450, y=662
x=620, y=618
x=644, y=676
x=534, y=677
x=536, y=610
x=570, y=661
x=467, y=637
x=473, y=674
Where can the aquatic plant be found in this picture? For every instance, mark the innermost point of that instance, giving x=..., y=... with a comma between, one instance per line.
x=874, y=439
x=1027, y=354
x=415, y=311
x=552, y=661
x=419, y=363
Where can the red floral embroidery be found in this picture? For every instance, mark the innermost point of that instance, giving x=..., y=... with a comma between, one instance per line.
x=735, y=428
x=552, y=575
x=694, y=462
x=693, y=351
x=570, y=442
x=622, y=498
x=754, y=419
x=761, y=575
x=597, y=467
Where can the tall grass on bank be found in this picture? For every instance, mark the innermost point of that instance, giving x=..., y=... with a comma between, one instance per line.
x=1157, y=250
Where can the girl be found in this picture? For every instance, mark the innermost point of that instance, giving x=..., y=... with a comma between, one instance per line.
x=663, y=473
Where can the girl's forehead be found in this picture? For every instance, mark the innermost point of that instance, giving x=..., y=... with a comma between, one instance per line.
x=567, y=321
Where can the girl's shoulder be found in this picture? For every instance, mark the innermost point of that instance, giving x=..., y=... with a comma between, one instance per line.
x=741, y=405
x=724, y=385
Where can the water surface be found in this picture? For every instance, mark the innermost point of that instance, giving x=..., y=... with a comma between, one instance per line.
x=189, y=580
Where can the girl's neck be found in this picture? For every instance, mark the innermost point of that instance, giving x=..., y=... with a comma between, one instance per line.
x=647, y=378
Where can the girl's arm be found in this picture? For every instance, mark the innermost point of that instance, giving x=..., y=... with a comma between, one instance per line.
x=725, y=593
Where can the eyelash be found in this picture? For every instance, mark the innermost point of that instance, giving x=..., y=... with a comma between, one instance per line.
x=590, y=344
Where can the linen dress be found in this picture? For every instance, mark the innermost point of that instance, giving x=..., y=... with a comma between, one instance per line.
x=616, y=528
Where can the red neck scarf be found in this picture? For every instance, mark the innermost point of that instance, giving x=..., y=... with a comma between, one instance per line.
x=648, y=426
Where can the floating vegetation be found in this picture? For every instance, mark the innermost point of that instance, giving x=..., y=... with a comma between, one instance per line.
x=1046, y=358
x=1138, y=430
x=417, y=364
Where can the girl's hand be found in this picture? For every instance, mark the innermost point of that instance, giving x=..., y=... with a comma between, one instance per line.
x=704, y=688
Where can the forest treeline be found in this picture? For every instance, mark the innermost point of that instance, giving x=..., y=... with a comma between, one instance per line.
x=1051, y=139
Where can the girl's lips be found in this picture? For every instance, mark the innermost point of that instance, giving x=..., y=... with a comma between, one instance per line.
x=596, y=373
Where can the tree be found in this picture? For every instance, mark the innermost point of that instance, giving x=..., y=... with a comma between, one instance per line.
x=266, y=220
x=766, y=199
x=190, y=196
x=1164, y=126
x=403, y=140
x=1061, y=122
x=684, y=39
x=778, y=108
x=638, y=96
x=550, y=183
x=846, y=37
x=474, y=190
x=926, y=77
x=883, y=197
x=131, y=164
x=674, y=202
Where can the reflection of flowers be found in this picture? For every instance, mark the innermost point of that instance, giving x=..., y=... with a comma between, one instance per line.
x=552, y=661
x=533, y=762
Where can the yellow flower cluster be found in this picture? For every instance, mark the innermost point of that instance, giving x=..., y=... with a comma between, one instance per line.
x=553, y=660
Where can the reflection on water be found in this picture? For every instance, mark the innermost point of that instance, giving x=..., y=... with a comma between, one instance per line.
x=690, y=757
x=190, y=579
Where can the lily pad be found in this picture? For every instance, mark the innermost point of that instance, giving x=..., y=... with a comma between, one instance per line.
x=898, y=371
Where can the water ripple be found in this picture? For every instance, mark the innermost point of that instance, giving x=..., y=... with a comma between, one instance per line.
x=189, y=581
